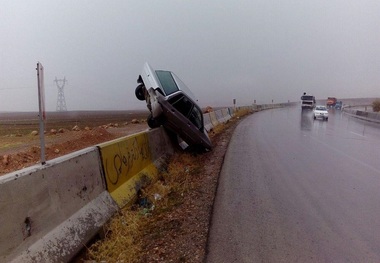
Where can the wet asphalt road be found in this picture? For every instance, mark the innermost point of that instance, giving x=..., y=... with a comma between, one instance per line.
x=297, y=190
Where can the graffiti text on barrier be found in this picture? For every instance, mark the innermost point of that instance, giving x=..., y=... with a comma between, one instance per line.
x=122, y=162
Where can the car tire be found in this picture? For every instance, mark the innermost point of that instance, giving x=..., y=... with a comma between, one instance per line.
x=315, y=117
x=139, y=92
x=327, y=119
x=153, y=123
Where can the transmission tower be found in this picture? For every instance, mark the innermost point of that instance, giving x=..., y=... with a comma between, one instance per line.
x=61, y=102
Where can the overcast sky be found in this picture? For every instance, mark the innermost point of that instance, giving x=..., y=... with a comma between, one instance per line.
x=250, y=50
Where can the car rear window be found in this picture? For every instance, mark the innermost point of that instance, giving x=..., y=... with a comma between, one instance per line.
x=167, y=82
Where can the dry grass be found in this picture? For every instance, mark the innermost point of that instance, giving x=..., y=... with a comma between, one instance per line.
x=122, y=241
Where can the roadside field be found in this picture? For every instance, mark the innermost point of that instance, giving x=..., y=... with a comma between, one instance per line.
x=19, y=148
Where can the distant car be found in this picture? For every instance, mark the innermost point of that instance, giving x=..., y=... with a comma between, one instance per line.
x=338, y=105
x=321, y=112
x=172, y=105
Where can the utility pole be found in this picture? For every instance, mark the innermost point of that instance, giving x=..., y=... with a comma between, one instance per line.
x=61, y=102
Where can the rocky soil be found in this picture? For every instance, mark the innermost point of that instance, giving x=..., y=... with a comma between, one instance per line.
x=20, y=151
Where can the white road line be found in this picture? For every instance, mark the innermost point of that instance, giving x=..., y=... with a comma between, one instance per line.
x=358, y=134
x=370, y=167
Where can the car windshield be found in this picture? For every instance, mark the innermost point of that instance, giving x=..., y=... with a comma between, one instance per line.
x=321, y=108
x=307, y=97
x=168, y=84
x=183, y=87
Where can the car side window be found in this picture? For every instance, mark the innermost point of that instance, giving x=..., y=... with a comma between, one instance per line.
x=196, y=118
x=182, y=104
x=186, y=107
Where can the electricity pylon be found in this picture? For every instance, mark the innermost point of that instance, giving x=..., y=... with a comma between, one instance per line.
x=61, y=102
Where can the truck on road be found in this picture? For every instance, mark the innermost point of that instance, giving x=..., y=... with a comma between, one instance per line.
x=331, y=101
x=307, y=101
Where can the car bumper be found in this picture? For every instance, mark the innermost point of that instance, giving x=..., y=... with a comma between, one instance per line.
x=321, y=116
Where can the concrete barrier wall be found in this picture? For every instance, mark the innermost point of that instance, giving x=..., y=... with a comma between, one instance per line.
x=219, y=116
x=225, y=115
x=374, y=116
x=222, y=115
x=38, y=202
x=363, y=115
x=214, y=119
x=49, y=212
x=207, y=122
x=132, y=162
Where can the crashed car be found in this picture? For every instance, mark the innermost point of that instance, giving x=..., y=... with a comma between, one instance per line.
x=172, y=105
x=320, y=111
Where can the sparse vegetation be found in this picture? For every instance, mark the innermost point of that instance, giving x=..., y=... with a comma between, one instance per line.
x=123, y=236
x=121, y=241
x=376, y=105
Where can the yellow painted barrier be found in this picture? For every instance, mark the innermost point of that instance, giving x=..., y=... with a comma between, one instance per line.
x=132, y=162
x=128, y=166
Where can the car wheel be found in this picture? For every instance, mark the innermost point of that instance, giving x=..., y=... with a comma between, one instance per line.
x=153, y=123
x=327, y=119
x=314, y=117
x=139, y=92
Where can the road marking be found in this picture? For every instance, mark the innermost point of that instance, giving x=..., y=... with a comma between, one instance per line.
x=358, y=134
x=370, y=167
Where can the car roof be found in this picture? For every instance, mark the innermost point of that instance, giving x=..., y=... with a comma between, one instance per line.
x=152, y=80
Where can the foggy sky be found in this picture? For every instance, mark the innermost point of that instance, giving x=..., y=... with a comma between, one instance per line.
x=248, y=50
